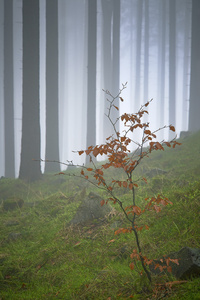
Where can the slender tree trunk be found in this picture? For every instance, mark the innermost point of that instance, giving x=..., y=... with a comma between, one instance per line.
x=146, y=54
x=186, y=67
x=172, y=64
x=116, y=57
x=30, y=170
x=9, y=90
x=136, y=103
x=107, y=10
x=161, y=63
x=194, y=110
x=52, y=102
x=91, y=84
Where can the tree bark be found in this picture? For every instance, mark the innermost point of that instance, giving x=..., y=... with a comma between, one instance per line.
x=30, y=170
x=172, y=64
x=9, y=90
x=52, y=101
x=194, y=110
x=91, y=84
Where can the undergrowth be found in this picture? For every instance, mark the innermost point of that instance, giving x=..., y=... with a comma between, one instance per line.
x=43, y=257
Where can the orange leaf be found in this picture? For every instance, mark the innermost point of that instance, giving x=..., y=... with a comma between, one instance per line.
x=131, y=266
x=95, y=152
x=100, y=172
x=159, y=146
x=89, y=169
x=174, y=261
x=125, y=184
x=145, y=180
x=168, y=144
x=102, y=202
x=82, y=172
x=116, y=107
x=172, y=128
x=111, y=241
x=80, y=152
x=147, y=132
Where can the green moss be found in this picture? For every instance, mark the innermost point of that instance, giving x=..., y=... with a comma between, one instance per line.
x=54, y=260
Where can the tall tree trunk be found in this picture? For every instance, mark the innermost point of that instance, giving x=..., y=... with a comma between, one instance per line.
x=116, y=57
x=91, y=84
x=146, y=54
x=146, y=51
x=194, y=110
x=52, y=102
x=136, y=100
x=172, y=64
x=30, y=170
x=9, y=90
x=161, y=62
x=107, y=10
x=186, y=66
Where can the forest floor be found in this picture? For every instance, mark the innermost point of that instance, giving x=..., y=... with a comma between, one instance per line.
x=43, y=257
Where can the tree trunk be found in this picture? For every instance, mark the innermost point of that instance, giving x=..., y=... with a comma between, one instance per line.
x=161, y=63
x=146, y=55
x=194, y=110
x=9, y=90
x=172, y=64
x=52, y=102
x=136, y=100
x=30, y=170
x=91, y=84
x=107, y=9
x=186, y=67
x=116, y=57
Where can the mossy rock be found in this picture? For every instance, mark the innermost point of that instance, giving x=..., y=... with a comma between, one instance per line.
x=12, y=203
x=90, y=209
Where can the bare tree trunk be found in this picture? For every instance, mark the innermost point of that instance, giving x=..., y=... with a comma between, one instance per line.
x=9, y=90
x=194, y=118
x=30, y=170
x=161, y=62
x=107, y=9
x=91, y=84
x=186, y=67
x=172, y=64
x=52, y=102
x=136, y=99
x=116, y=57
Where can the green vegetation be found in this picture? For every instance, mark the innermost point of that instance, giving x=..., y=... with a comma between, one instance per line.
x=42, y=257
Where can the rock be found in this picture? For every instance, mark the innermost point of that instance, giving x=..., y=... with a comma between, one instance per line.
x=189, y=263
x=90, y=209
x=12, y=203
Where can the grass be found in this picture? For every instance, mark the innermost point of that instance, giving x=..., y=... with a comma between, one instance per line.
x=42, y=257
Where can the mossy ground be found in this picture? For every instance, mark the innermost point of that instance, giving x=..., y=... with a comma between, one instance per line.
x=52, y=260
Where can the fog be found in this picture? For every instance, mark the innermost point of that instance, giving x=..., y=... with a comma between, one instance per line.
x=146, y=52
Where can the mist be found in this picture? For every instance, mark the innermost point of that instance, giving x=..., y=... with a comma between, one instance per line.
x=154, y=55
